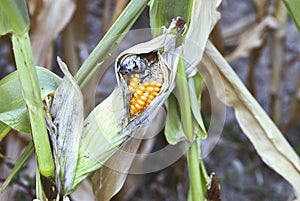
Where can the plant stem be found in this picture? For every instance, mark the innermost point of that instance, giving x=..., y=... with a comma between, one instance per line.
x=110, y=41
x=32, y=97
x=191, y=146
x=18, y=24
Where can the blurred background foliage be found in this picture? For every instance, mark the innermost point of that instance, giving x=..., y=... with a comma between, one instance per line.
x=257, y=37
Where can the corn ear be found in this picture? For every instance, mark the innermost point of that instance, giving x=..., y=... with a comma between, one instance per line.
x=110, y=124
x=65, y=124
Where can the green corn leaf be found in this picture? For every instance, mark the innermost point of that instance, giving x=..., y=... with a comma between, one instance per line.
x=23, y=158
x=4, y=130
x=293, y=7
x=163, y=11
x=12, y=105
x=173, y=128
x=14, y=17
x=195, y=89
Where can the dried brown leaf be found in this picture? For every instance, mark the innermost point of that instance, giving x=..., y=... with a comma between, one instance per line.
x=232, y=32
x=251, y=39
x=266, y=138
x=261, y=7
x=51, y=17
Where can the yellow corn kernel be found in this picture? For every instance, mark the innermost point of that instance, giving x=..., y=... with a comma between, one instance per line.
x=143, y=97
x=137, y=106
x=156, y=89
x=142, y=94
x=140, y=102
x=150, y=89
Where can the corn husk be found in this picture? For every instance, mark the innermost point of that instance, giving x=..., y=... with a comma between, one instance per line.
x=64, y=125
x=110, y=122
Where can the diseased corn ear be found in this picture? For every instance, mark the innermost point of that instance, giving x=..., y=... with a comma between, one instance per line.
x=146, y=73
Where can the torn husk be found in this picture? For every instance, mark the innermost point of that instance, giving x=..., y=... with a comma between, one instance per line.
x=146, y=73
x=117, y=117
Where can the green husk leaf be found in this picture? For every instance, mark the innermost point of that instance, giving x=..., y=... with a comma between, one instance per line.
x=12, y=105
x=173, y=128
x=293, y=7
x=23, y=158
x=102, y=135
x=67, y=114
x=14, y=17
x=195, y=89
x=4, y=130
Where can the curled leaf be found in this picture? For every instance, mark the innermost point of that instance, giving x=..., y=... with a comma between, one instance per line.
x=49, y=19
x=266, y=138
x=198, y=34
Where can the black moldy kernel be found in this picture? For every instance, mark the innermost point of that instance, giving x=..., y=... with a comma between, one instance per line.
x=136, y=63
x=144, y=78
x=180, y=24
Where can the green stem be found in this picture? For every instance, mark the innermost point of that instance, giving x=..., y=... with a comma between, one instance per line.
x=110, y=40
x=32, y=96
x=191, y=146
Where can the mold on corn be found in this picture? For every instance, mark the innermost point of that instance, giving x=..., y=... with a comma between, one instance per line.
x=143, y=82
